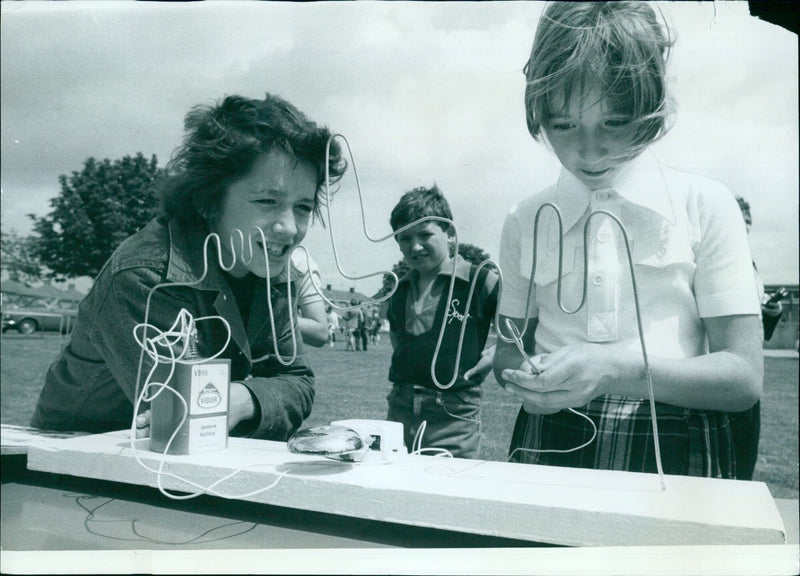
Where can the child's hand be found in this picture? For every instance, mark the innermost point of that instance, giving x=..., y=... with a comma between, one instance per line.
x=772, y=309
x=569, y=377
x=521, y=381
x=478, y=372
x=143, y=425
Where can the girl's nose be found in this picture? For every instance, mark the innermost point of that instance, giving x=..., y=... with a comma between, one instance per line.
x=593, y=145
x=285, y=223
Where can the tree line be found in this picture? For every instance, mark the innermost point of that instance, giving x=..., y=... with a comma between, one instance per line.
x=95, y=209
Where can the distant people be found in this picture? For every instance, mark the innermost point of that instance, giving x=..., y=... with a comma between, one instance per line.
x=351, y=323
x=313, y=321
x=452, y=416
x=374, y=327
x=350, y=339
x=597, y=95
x=746, y=425
x=360, y=326
x=333, y=325
x=245, y=165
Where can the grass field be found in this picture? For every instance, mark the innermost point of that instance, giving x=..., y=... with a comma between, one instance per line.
x=354, y=385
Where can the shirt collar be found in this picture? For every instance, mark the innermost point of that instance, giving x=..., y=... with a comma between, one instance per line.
x=186, y=264
x=642, y=184
x=462, y=271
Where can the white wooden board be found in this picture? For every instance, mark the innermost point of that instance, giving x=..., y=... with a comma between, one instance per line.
x=537, y=503
x=17, y=439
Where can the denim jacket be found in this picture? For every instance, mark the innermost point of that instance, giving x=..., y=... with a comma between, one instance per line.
x=92, y=385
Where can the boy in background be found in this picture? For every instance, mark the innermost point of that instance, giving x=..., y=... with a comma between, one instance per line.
x=449, y=400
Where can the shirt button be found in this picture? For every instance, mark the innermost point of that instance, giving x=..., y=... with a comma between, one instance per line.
x=598, y=279
x=602, y=236
x=662, y=252
x=602, y=196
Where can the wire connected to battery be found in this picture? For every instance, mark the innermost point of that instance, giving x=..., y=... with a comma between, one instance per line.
x=161, y=348
x=174, y=345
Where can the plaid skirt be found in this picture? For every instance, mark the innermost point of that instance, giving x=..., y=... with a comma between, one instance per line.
x=692, y=442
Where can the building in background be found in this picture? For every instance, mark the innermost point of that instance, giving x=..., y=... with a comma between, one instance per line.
x=19, y=294
x=46, y=308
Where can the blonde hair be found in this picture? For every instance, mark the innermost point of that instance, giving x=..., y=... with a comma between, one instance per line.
x=621, y=45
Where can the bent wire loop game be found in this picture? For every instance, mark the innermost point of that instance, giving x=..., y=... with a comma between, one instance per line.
x=172, y=346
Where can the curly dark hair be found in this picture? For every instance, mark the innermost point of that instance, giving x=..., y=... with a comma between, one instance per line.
x=222, y=141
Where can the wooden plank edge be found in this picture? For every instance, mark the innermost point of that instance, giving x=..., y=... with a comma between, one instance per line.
x=534, y=523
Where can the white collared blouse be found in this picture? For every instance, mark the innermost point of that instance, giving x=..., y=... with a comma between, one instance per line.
x=687, y=241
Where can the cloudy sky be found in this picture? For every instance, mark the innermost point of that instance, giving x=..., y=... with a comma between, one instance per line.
x=423, y=92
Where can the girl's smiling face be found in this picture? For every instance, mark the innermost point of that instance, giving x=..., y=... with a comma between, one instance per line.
x=276, y=196
x=592, y=141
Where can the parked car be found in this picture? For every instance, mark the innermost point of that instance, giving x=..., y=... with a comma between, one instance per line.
x=27, y=320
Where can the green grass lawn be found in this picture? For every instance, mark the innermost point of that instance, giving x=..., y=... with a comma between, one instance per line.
x=354, y=385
